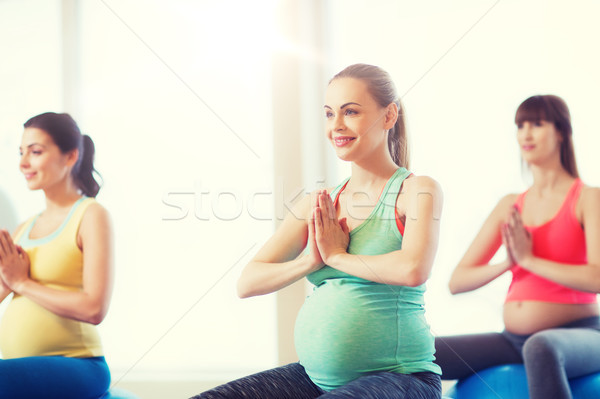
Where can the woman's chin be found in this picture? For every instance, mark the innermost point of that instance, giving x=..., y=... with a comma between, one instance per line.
x=344, y=155
x=33, y=186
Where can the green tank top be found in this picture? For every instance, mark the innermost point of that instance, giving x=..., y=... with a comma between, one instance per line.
x=350, y=327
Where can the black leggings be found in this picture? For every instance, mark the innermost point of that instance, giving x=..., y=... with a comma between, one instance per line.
x=292, y=382
x=551, y=357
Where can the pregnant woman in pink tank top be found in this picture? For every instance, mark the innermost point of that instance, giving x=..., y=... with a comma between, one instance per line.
x=552, y=236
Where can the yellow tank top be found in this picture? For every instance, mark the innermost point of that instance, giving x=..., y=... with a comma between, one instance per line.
x=28, y=329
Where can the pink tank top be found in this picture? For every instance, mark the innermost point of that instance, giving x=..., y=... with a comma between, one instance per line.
x=562, y=240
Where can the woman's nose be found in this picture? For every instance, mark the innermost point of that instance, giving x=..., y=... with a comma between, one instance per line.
x=338, y=123
x=24, y=161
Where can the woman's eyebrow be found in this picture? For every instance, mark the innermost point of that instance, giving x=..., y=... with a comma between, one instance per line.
x=32, y=144
x=345, y=105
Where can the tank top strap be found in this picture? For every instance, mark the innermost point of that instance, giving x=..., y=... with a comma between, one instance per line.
x=519, y=200
x=25, y=227
x=389, y=195
x=573, y=196
x=72, y=226
x=335, y=194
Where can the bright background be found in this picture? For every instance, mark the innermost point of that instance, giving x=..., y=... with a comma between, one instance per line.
x=207, y=118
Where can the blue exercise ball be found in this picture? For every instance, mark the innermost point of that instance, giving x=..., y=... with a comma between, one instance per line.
x=586, y=387
x=116, y=393
x=506, y=381
x=510, y=381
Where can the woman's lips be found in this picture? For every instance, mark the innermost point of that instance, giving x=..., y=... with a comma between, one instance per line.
x=342, y=140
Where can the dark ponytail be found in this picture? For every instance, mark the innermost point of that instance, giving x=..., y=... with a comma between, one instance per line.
x=85, y=170
x=397, y=140
x=383, y=90
x=66, y=135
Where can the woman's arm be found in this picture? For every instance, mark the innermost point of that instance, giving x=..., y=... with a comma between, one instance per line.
x=473, y=271
x=277, y=265
x=89, y=305
x=4, y=291
x=581, y=277
x=409, y=266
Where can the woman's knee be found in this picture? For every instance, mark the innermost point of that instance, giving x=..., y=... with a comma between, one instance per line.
x=542, y=347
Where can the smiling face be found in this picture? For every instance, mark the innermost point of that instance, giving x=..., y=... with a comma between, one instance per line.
x=539, y=141
x=545, y=132
x=356, y=124
x=42, y=163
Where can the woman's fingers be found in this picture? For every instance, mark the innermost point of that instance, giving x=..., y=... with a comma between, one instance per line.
x=506, y=234
x=508, y=242
x=2, y=242
x=6, y=244
x=344, y=226
x=518, y=223
x=330, y=207
x=328, y=210
x=311, y=226
x=318, y=221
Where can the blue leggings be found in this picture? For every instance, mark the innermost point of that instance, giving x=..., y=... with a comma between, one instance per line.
x=53, y=377
x=292, y=382
x=551, y=357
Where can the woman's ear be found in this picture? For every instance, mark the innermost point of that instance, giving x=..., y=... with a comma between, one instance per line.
x=391, y=116
x=72, y=157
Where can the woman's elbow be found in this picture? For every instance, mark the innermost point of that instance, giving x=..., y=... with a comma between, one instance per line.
x=453, y=288
x=457, y=286
x=242, y=292
x=96, y=316
x=244, y=289
x=418, y=275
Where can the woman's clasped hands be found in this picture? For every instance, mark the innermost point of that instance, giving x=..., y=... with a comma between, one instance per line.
x=14, y=263
x=327, y=236
x=517, y=239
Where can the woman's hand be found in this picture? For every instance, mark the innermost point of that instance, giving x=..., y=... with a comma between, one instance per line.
x=14, y=263
x=509, y=262
x=331, y=235
x=517, y=239
x=3, y=285
x=314, y=256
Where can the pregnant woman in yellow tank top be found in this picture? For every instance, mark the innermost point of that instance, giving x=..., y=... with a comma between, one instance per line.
x=58, y=266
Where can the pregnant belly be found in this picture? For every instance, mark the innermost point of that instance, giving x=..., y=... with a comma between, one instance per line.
x=343, y=332
x=27, y=329
x=528, y=317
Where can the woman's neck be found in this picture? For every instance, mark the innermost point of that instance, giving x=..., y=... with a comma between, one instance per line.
x=547, y=180
x=61, y=195
x=368, y=174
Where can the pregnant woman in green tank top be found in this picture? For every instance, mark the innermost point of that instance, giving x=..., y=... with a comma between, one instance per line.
x=368, y=246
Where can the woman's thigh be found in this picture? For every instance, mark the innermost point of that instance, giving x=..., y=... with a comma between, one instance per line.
x=575, y=350
x=462, y=355
x=389, y=385
x=286, y=382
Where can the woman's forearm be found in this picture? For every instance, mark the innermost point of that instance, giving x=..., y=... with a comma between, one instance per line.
x=394, y=268
x=579, y=277
x=4, y=292
x=469, y=278
x=259, y=278
x=77, y=305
